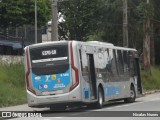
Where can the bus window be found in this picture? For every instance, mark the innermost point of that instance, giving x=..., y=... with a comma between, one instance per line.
x=106, y=66
x=131, y=64
x=96, y=63
x=120, y=62
x=84, y=66
x=49, y=59
x=125, y=59
x=115, y=66
x=101, y=65
x=110, y=60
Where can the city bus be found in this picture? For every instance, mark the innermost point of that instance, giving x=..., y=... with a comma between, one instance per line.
x=74, y=72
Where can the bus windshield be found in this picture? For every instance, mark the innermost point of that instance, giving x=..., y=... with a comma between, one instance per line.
x=51, y=59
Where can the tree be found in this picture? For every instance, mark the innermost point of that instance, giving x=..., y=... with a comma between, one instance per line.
x=102, y=20
x=155, y=42
x=147, y=13
x=43, y=11
x=82, y=18
x=14, y=13
x=112, y=22
x=11, y=13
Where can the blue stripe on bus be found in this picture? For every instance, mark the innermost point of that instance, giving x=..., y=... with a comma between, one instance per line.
x=112, y=90
x=86, y=93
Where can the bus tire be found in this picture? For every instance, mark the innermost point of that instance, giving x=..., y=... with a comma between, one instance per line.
x=99, y=103
x=132, y=95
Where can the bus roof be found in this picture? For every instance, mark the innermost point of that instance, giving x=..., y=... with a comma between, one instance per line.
x=93, y=43
x=47, y=43
x=109, y=45
x=100, y=43
x=124, y=48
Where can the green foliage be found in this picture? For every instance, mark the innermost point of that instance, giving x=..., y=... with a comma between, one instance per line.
x=10, y=12
x=100, y=20
x=145, y=10
x=82, y=18
x=14, y=13
x=112, y=22
x=43, y=11
x=151, y=81
x=103, y=20
x=157, y=49
x=12, y=85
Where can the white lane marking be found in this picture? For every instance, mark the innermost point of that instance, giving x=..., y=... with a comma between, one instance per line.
x=46, y=119
x=155, y=99
x=110, y=108
x=58, y=117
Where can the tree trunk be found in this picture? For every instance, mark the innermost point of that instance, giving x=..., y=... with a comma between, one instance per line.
x=146, y=46
x=152, y=49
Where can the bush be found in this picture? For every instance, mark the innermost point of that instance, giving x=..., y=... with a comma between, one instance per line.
x=12, y=84
x=151, y=81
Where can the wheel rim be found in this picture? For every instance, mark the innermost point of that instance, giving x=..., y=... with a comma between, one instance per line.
x=132, y=93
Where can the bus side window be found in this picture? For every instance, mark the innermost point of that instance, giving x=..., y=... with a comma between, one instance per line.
x=101, y=64
x=114, y=69
x=131, y=64
x=110, y=60
x=104, y=63
x=120, y=62
x=107, y=65
x=126, y=62
x=96, y=64
x=84, y=66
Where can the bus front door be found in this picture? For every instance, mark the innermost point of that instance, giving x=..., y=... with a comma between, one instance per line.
x=92, y=77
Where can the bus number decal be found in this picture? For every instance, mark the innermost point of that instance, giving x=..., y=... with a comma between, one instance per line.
x=49, y=52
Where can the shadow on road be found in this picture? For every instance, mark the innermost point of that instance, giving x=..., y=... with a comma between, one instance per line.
x=80, y=111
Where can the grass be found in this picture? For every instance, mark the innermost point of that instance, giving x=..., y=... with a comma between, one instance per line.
x=12, y=85
x=151, y=81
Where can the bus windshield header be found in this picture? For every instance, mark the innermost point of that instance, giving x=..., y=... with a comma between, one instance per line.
x=49, y=53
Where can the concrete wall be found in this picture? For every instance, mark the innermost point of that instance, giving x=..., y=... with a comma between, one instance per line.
x=9, y=59
x=47, y=37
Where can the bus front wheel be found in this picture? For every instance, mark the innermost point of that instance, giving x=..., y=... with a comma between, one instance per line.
x=132, y=95
x=99, y=103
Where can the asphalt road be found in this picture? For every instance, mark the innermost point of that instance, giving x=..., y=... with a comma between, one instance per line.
x=145, y=108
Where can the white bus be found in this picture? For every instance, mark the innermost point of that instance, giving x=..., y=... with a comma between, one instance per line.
x=68, y=72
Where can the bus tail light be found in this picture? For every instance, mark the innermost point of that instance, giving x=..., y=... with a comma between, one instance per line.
x=74, y=72
x=27, y=73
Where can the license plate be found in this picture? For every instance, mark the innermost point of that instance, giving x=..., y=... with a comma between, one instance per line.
x=52, y=92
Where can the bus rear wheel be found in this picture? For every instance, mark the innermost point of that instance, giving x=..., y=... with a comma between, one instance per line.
x=99, y=103
x=132, y=95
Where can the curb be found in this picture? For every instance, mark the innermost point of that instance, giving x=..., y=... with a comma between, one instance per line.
x=150, y=92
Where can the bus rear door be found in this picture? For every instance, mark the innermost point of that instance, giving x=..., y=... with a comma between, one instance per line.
x=92, y=76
